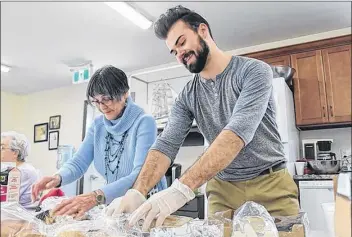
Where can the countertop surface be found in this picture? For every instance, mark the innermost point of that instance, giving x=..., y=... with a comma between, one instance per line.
x=314, y=177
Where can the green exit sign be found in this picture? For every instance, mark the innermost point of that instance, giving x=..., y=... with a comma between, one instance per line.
x=81, y=75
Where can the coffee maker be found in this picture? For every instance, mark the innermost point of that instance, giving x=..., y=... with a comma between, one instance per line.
x=318, y=149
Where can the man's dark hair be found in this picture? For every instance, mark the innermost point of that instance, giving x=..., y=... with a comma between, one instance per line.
x=172, y=15
x=108, y=81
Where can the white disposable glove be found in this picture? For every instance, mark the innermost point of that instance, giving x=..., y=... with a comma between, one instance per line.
x=162, y=204
x=126, y=204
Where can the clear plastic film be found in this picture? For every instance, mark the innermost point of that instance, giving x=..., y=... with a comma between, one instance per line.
x=18, y=222
x=86, y=228
x=252, y=219
x=51, y=202
x=94, y=224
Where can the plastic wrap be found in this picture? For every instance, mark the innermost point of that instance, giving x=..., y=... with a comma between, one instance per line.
x=206, y=228
x=51, y=202
x=120, y=223
x=18, y=222
x=226, y=218
x=171, y=223
x=252, y=220
x=94, y=224
x=86, y=228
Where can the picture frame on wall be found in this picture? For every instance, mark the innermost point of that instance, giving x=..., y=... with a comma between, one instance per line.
x=53, y=140
x=41, y=132
x=54, y=122
x=133, y=96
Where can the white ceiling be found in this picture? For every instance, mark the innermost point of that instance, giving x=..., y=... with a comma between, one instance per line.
x=39, y=39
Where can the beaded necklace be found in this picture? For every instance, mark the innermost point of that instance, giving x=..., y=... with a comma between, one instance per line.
x=112, y=154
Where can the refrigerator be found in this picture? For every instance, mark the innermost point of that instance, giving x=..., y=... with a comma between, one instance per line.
x=286, y=121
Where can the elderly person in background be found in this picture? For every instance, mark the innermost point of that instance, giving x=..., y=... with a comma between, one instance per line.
x=15, y=148
x=117, y=143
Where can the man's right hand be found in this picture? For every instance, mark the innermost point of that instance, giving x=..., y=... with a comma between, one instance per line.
x=127, y=204
x=47, y=182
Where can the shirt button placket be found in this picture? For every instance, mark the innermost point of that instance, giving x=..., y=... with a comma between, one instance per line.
x=214, y=89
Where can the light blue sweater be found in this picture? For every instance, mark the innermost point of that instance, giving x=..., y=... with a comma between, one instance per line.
x=142, y=133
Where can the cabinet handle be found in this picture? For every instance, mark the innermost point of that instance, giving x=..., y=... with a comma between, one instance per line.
x=324, y=111
x=332, y=115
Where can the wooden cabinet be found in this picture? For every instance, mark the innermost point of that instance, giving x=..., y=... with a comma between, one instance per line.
x=337, y=72
x=277, y=61
x=309, y=88
x=322, y=86
x=322, y=82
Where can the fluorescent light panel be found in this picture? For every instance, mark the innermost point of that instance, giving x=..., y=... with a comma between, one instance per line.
x=5, y=68
x=131, y=14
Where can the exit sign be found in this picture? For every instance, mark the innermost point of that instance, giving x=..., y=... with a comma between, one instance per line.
x=81, y=75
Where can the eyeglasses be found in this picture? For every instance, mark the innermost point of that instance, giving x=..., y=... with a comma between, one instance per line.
x=104, y=101
x=5, y=148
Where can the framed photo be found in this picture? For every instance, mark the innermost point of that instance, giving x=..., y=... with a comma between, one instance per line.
x=54, y=122
x=53, y=140
x=133, y=96
x=41, y=132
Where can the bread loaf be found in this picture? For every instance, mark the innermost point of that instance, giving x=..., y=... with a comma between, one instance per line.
x=71, y=234
x=16, y=228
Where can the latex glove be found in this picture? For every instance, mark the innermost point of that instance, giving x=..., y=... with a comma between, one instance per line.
x=47, y=182
x=127, y=204
x=162, y=204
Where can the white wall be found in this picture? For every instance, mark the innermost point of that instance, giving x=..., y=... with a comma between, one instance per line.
x=341, y=136
x=11, y=112
x=140, y=88
x=38, y=107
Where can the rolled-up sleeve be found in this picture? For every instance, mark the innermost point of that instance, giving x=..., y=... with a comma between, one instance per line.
x=179, y=123
x=252, y=102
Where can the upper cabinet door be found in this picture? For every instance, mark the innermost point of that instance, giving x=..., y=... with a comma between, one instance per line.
x=278, y=61
x=337, y=69
x=309, y=88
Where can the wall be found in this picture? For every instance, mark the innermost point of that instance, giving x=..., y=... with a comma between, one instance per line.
x=38, y=107
x=11, y=112
x=341, y=137
x=140, y=88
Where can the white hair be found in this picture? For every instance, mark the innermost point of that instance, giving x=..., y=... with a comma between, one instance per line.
x=19, y=143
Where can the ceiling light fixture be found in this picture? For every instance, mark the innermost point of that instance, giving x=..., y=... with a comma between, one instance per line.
x=5, y=68
x=130, y=13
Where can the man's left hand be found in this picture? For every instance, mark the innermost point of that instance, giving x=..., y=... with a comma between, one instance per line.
x=76, y=206
x=162, y=204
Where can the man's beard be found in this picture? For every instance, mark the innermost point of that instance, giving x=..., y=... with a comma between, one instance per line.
x=200, y=58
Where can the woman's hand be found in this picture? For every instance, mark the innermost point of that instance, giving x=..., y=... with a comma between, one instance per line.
x=47, y=182
x=76, y=206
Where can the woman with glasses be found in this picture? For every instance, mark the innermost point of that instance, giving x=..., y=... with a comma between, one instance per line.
x=15, y=149
x=117, y=143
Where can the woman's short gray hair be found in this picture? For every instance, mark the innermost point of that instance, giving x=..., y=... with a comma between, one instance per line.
x=19, y=143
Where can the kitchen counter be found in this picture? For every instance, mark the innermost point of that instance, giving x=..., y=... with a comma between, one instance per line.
x=314, y=177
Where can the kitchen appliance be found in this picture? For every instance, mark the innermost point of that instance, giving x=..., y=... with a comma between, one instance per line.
x=283, y=71
x=285, y=119
x=317, y=149
x=173, y=173
x=325, y=166
x=313, y=194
